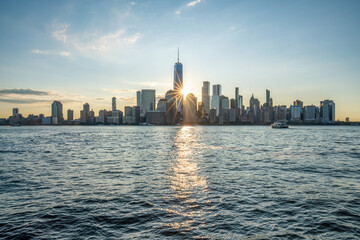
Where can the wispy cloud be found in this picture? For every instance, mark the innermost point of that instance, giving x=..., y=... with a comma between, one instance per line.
x=92, y=41
x=193, y=3
x=24, y=101
x=22, y=91
x=49, y=52
x=28, y=96
x=119, y=90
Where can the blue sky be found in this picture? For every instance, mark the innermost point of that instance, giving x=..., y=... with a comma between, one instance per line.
x=90, y=51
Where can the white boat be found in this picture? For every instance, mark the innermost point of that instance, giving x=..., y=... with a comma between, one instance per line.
x=279, y=125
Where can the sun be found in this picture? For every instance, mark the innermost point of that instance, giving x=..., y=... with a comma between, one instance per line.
x=185, y=91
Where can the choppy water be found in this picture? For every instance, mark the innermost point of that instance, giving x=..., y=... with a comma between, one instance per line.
x=233, y=182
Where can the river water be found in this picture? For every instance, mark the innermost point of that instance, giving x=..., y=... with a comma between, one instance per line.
x=207, y=182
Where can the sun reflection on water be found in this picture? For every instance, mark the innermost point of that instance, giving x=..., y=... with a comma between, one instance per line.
x=187, y=186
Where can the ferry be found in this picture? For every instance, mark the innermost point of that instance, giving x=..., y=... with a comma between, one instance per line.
x=279, y=125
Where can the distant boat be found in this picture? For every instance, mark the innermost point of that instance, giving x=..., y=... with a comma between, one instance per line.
x=279, y=125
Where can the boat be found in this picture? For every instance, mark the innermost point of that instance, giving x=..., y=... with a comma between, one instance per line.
x=279, y=125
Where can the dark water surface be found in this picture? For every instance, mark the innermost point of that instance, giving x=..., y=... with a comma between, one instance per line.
x=240, y=182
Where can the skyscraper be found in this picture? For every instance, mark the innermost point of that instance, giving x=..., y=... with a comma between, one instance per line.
x=84, y=114
x=138, y=98
x=206, y=96
x=190, y=113
x=215, y=98
x=114, y=103
x=70, y=115
x=268, y=97
x=217, y=89
x=147, y=101
x=57, y=113
x=178, y=83
x=178, y=75
x=327, y=111
x=237, y=98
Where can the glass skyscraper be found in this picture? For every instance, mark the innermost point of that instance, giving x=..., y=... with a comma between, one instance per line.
x=178, y=75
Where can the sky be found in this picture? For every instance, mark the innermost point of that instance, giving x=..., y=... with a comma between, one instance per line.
x=90, y=51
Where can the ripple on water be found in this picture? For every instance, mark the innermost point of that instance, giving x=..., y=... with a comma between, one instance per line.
x=238, y=182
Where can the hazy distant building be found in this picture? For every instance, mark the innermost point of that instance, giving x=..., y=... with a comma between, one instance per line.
x=280, y=113
x=57, y=113
x=102, y=117
x=225, y=103
x=161, y=106
x=268, y=96
x=254, y=113
x=155, y=118
x=215, y=98
x=206, y=96
x=190, y=109
x=115, y=117
x=172, y=116
x=298, y=103
x=138, y=98
x=132, y=115
x=295, y=113
x=15, y=112
x=147, y=101
x=217, y=89
x=327, y=111
x=70, y=115
x=212, y=116
x=85, y=113
x=113, y=105
x=310, y=113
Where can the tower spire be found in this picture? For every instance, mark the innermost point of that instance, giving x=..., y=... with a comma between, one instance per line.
x=178, y=54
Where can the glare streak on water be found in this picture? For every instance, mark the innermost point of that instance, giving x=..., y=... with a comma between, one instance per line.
x=232, y=182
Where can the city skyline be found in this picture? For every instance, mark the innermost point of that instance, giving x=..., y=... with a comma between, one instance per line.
x=53, y=51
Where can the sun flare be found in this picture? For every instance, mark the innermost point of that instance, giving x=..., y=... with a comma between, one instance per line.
x=185, y=91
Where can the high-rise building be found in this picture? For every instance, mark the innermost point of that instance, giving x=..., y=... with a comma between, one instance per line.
x=178, y=84
x=327, y=111
x=70, y=115
x=295, y=112
x=190, y=109
x=171, y=113
x=138, y=98
x=84, y=114
x=225, y=103
x=310, y=113
x=57, y=113
x=215, y=98
x=268, y=97
x=147, y=101
x=237, y=98
x=178, y=75
x=206, y=96
x=113, y=104
x=217, y=89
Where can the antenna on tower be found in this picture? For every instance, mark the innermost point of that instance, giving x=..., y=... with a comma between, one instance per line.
x=178, y=54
